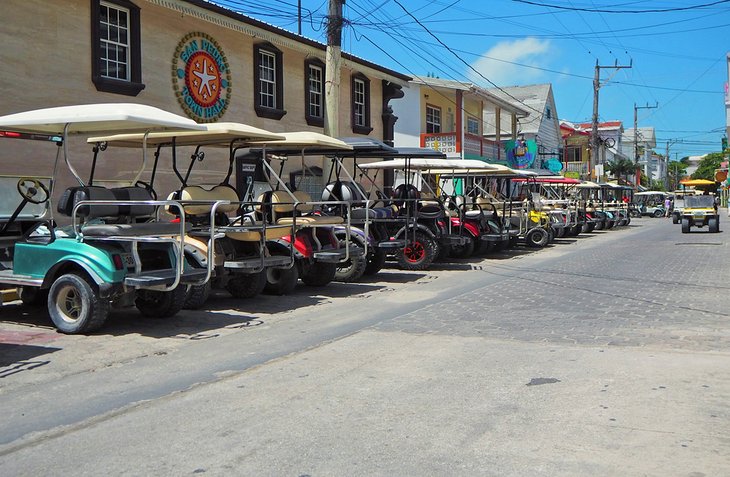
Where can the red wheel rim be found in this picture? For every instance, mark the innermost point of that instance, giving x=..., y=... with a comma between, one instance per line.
x=414, y=252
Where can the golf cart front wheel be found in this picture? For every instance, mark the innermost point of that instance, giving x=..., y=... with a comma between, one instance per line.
x=74, y=306
x=685, y=226
x=318, y=274
x=376, y=261
x=714, y=224
x=537, y=238
x=197, y=295
x=419, y=253
x=246, y=285
x=160, y=304
x=281, y=281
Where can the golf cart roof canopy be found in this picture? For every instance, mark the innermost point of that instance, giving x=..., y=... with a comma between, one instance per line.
x=653, y=192
x=589, y=185
x=220, y=134
x=696, y=182
x=550, y=180
x=369, y=146
x=301, y=141
x=473, y=167
x=444, y=166
x=95, y=118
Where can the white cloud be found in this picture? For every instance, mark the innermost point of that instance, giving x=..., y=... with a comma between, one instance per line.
x=527, y=51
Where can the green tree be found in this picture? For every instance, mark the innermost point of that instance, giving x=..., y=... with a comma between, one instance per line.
x=620, y=168
x=706, y=169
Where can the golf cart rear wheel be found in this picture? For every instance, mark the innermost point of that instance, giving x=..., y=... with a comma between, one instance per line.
x=354, y=268
x=714, y=224
x=376, y=261
x=675, y=218
x=197, y=295
x=246, y=285
x=419, y=253
x=74, y=306
x=160, y=304
x=537, y=238
x=281, y=281
x=658, y=213
x=318, y=274
x=685, y=226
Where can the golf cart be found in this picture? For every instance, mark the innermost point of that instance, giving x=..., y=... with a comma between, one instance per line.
x=700, y=210
x=417, y=217
x=116, y=252
x=650, y=203
x=222, y=238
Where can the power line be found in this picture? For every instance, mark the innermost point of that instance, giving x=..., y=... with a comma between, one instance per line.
x=600, y=10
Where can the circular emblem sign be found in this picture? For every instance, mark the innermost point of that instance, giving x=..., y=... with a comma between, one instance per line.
x=201, y=77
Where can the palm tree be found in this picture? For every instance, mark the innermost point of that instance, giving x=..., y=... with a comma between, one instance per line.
x=621, y=167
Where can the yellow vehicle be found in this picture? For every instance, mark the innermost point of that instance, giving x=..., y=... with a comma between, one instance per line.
x=699, y=210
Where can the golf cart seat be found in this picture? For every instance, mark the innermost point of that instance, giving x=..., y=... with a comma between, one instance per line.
x=284, y=208
x=190, y=194
x=117, y=220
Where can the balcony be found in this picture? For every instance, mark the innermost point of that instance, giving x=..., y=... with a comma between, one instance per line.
x=474, y=146
x=577, y=170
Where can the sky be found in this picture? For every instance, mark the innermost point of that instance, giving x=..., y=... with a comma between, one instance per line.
x=676, y=50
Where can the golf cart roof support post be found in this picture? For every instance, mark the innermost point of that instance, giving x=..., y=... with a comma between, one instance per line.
x=174, y=163
x=96, y=150
x=144, y=157
x=154, y=166
x=65, y=156
x=194, y=157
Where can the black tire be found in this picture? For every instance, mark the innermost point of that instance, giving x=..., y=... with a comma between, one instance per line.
x=318, y=274
x=551, y=235
x=74, y=305
x=197, y=295
x=658, y=213
x=628, y=221
x=33, y=296
x=354, y=268
x=419, y=254
x=246, y=285
x=463, y=251
x=599, y=225
x=537, y=238
x=376, y=261
x=675, y=218
x=281, y=281
x=160, y=304
x=685, y=226
x=576, y=230
x=714, y=224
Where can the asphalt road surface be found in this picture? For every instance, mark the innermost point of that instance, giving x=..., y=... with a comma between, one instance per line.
x=605, y=354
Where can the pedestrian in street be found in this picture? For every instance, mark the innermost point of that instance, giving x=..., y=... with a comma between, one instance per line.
x=667, y=206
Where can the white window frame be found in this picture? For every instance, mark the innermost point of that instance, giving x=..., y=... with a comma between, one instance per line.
x=433, y=120
x=267, y=79
x=359, y=102
x=111, y=42
x=316, y=92
x=472, y=126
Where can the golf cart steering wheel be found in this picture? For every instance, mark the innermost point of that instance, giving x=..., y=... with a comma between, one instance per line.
x=146, y=186
x=33, y=190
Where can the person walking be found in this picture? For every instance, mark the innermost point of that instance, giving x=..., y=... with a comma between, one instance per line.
x=667, y=207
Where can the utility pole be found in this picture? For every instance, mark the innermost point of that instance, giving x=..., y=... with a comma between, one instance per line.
x=595, y=141
x=299, y=17
x=333, y=64
x=669, y=144
x=636, y=140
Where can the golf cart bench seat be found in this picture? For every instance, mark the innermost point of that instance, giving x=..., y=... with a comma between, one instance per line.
x=115, y=212
x=283, y=209
x=189, y=194
x=373, y=213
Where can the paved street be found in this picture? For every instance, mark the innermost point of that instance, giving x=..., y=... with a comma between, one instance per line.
x=606, y=354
